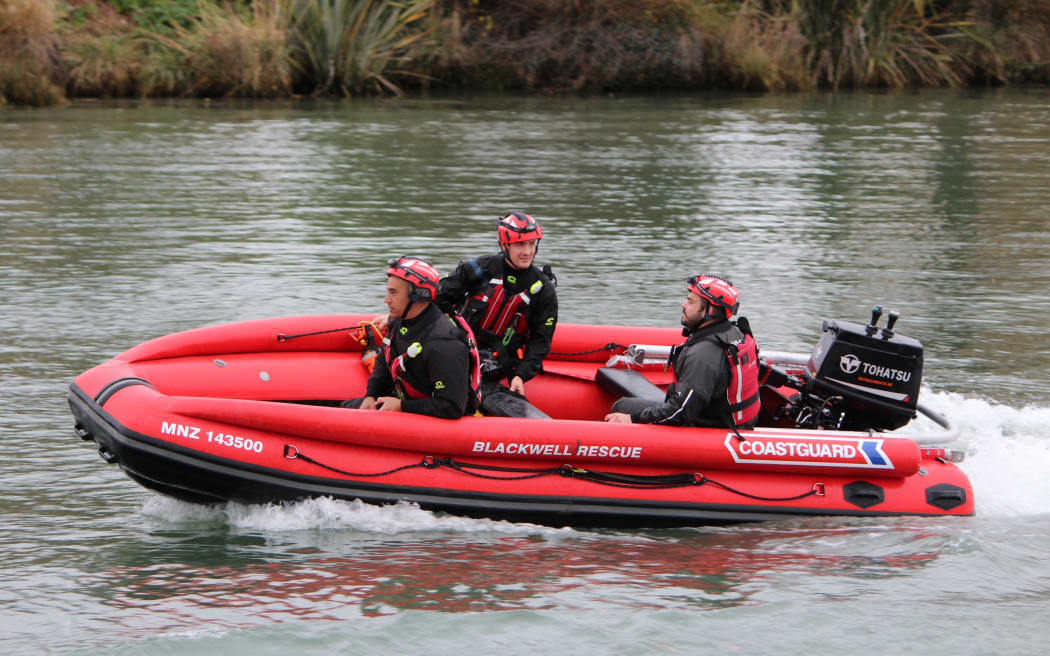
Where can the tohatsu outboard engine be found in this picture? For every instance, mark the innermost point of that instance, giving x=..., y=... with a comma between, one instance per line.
x=861, y=378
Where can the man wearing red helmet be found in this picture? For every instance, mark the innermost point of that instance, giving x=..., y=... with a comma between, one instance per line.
x=430, y=364
x=715, y=370
x=512, y=307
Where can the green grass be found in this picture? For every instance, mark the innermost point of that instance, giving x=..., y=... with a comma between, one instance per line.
x=159, y=16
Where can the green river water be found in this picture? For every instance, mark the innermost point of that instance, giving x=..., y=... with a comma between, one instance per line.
x=120, y=222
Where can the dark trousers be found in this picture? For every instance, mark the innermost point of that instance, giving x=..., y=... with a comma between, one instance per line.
x=629, y=405
x=499, y=401
x=496, y=401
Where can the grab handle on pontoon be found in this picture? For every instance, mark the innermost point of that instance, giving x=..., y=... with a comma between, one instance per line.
x=950, y=432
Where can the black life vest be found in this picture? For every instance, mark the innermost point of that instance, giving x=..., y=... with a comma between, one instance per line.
x=398, y=366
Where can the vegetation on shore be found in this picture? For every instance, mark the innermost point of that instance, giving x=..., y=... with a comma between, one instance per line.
x=51, y=50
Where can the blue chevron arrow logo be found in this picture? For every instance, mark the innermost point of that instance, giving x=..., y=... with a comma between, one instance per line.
x=873, y=452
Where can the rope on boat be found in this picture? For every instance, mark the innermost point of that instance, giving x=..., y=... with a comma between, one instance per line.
x=601, y=478
x=611, y=346
x=673, y=480
x=292, y=453
x=818, y=489
x=284, y=338
x=462, y=467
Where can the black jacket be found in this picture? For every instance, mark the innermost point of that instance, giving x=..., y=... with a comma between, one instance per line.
x=441, y=369
x=471, y=277
x=702, y=372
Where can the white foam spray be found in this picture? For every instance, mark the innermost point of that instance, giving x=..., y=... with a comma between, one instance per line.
x=1007, y=452
x=328, y=513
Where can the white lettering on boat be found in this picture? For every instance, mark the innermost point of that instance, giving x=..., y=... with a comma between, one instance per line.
x=180, y=430
x=533, y=449
x=830, y=451
x=236, y=442
x=222, y=439
x=605, y=451
x=796, y=449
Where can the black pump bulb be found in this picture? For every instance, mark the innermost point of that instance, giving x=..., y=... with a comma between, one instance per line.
x=887, y=332
x=876, y=312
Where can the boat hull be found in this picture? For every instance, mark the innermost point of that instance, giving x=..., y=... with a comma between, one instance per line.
x=209, y=427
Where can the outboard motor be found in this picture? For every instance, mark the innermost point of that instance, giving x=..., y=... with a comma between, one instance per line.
x=861, y=378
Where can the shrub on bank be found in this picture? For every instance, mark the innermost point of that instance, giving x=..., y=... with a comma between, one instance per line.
x=885, y=43
x=28, y=50
x=273, y=48
x=592, y=45
x=1020, y=35
x=345, y=47
x=222, y=51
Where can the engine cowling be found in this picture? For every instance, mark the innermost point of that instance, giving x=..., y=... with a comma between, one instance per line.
x=876, y=374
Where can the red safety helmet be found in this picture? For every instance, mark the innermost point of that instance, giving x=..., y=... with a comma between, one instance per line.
x=419, y=274
x=716, y=290
x=517, y=226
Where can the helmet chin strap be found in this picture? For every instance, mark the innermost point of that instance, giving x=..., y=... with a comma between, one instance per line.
x=706, y=316
x=408, y=308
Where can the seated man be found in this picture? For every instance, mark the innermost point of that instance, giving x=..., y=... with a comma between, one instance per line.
x=430, y=364
x=512, y=307
x=715, y=370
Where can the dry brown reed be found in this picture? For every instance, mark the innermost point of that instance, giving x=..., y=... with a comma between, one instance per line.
x=234, y=55
x=28, y=53
x=764, y=52
x=104, y=65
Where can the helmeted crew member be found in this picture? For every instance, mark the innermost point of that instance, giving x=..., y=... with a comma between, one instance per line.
x=715, y=369
x=430, y=364
x=512, y=306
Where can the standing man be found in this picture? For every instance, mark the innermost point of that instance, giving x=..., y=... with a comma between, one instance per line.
x=512, y=307
x=430, y=364
x=715, y=370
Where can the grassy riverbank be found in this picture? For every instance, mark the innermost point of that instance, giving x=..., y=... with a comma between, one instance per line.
x=52, y=50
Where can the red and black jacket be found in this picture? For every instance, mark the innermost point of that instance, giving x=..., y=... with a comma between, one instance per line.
x=428, y=363
x=513, y=312
x=716, y=381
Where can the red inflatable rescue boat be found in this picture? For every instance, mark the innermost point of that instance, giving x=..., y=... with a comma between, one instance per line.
x=248, y=412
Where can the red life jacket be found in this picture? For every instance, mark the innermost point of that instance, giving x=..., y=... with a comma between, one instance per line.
x=475, y=360
x=742, y=392
x=504, y=317
x=398, y=370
